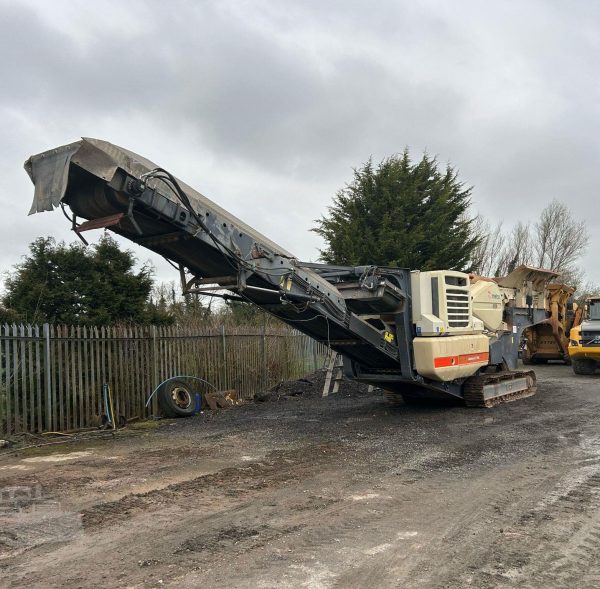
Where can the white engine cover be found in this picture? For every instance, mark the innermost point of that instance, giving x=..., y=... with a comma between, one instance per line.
x=487, y=303
x=449, y=358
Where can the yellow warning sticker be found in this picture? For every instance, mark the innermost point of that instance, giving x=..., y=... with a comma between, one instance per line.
x=286, y=282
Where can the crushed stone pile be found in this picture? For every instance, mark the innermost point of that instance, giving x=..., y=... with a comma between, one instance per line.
x=310, y=386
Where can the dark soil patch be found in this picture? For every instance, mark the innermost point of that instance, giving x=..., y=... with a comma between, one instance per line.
x=310, y=386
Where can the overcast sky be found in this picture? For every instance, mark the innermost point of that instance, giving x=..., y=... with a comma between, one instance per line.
x=266, y=107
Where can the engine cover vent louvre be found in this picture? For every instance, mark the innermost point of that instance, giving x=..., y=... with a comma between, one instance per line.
x=457, y=305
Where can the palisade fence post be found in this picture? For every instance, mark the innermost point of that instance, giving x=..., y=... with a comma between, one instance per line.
x=263, y=350
x=154, y=368
x=48, y=374
x=224, y=385
x=5, y=378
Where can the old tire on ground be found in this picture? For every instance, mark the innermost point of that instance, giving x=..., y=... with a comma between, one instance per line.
x=583, y=366
x=176, y=399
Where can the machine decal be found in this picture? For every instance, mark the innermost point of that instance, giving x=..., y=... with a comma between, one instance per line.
x=478, y=358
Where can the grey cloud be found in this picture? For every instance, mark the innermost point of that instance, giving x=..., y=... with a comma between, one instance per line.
x=282, y=99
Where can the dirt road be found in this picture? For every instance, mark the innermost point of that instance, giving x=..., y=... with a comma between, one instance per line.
x=337, y=492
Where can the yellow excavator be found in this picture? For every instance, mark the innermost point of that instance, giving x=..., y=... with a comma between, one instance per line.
x=584, y=338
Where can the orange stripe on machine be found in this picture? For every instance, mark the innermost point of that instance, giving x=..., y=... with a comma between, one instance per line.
x=476, y=358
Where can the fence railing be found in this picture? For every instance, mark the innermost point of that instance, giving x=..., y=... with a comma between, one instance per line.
x=51, y=376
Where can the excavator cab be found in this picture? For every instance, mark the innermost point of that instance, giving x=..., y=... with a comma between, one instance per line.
x=584, y=338
x=594, y=309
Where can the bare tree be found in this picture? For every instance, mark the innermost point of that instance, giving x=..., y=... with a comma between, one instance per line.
x=560, y=239
x=555, y=242
x=588, y=289
x=574, y=277
x=490, y=244
x=518, y=249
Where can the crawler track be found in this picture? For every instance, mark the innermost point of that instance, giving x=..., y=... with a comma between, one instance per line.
x=484, y=390
x=518, y=384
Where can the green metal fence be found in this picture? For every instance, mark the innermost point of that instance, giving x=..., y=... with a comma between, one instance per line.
x=52, y=375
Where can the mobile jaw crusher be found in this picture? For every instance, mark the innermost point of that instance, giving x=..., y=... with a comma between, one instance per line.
x=439, y=334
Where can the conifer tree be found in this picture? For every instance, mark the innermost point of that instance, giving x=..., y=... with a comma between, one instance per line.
x=402, y=214
x=76, y=285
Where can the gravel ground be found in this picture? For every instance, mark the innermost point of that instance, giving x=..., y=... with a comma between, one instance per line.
x=309, y=492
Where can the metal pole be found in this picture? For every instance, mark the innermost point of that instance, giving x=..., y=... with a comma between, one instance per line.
x=224, y=385
x=263, y=346
x=47, y=370
x=155, y=368
x=154, y=356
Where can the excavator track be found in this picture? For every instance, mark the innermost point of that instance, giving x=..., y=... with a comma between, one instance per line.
x=489, y=390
